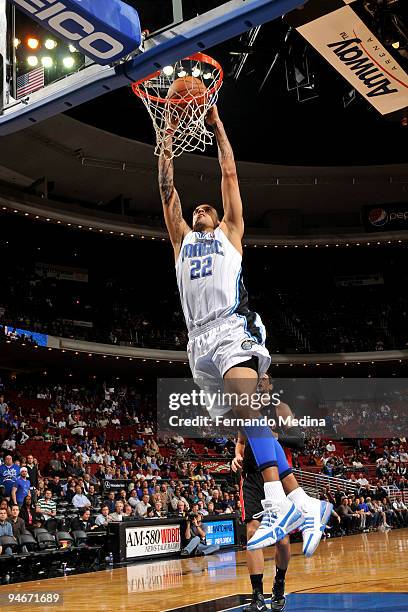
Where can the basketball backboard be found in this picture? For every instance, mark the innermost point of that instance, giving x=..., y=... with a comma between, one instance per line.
x=44, y=75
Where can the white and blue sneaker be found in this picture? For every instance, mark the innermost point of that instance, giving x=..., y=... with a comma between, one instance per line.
x=316, y=515
x=278, y=519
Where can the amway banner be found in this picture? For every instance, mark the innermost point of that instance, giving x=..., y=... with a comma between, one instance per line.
x=155, y=540
x=342, y=38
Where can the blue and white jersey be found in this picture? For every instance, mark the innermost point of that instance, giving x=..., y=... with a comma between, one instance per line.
x=209, y=278
x=8, y=476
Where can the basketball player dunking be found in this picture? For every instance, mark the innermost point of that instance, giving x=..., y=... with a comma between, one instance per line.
x=227, y=340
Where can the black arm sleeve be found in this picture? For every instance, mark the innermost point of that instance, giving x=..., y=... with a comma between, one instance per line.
x=292, y=438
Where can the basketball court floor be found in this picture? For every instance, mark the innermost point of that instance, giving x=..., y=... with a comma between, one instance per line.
x=360, y=573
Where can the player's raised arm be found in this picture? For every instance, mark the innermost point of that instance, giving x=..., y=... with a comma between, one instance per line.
x=231, y=197
x=173, y=215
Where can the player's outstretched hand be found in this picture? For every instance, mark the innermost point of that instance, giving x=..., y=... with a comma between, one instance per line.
x=212, y=116
x=237, y=463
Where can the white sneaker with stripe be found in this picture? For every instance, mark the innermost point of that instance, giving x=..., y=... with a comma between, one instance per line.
x=316, y=515
x=278, y=519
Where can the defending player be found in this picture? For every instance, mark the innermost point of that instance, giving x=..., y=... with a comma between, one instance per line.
x=251, y=498
x=226, y=339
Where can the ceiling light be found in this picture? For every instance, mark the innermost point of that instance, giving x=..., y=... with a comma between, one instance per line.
x=33, y=43
x=47, y=61
x=50, y=44
x=32, y=61
x=68, y=62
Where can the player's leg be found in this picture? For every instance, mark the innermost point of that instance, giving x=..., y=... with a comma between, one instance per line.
x=282, y=558
x=251, y=493
x=255, y=564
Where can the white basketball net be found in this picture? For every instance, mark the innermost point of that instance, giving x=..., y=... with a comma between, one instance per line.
x=180, y=125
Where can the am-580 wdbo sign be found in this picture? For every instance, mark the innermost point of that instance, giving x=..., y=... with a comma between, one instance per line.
x=154, y=540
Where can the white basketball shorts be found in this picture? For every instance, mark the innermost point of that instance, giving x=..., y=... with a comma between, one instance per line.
x=224, y=343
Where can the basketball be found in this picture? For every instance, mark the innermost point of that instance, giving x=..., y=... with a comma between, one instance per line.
x=186, y=89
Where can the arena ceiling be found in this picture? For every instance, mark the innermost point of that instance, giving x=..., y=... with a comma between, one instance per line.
x=84, y=164
x=324, y=157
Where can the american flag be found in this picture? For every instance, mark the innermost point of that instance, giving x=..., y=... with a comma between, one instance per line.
x=29, y=82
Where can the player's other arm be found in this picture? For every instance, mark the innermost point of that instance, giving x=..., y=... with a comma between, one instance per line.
x=173, y=215
x=236, y=463
x=231, y=197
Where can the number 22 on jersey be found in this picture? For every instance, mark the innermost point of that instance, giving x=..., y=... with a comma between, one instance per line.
x=199, y=268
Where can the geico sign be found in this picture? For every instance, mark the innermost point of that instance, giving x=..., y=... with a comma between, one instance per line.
x=75, y=28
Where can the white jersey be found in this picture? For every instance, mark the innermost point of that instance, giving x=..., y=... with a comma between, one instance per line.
x=209, y=278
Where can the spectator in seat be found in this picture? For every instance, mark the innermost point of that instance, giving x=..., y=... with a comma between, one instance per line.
x=366, y=513
x=84, y=522
x=133, y=498
x=143, y=507
x=55, y=466
x=211, y=508
x=16, y=522
x=118, y=514
x=350, y=520
x=165, y=496
x=128, y=511
x=380, y=491
x=93, y=497
x=389, y=512
x=80, y=500
x=158, y=511
x=379, y=508
x=28, y=513
x=376, y=516
x=103, y=518
x=5, y=530
x=403, y=484
x=9, y=443
x=123, y=496
x=330, y=447
x=9, y=472
x=227, y=504
x=33, y=475
x=110, y=501
x=4, y=504
x=180, y=511
x=400, y=510
x=56, y=487
x=217, y=501
x=177, y=497
x=196, y=540
x=46, y=506
x=89, y=477
x=21, y=487
x=362, y=480
x=3, y=407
